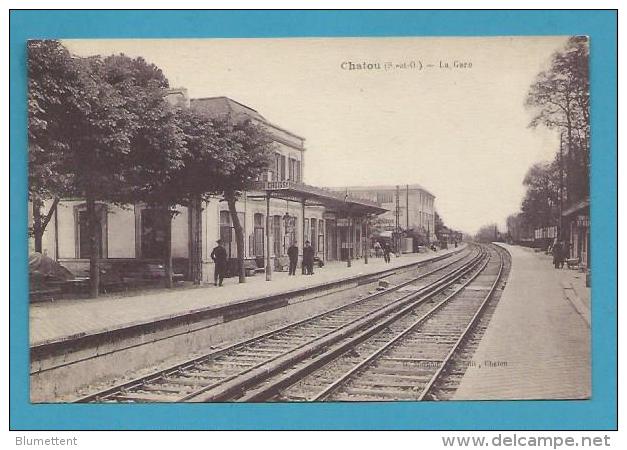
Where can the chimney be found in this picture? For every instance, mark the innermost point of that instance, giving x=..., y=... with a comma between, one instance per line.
x=177, y=97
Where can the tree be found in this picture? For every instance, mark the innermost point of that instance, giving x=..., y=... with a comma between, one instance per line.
x=249, y=152
x=101, y=130
x=78, y=137
x=517, y=228
x=157, y=152
x=53, y=89
x=560, y=97
x=488, y=233
x=206, y=162
x=540, y=206
x=438, y=225
x=99, y=137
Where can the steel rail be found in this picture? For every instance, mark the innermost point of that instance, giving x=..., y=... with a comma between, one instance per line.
x=325, y=393
x=240, y=383
x=270, y=389
x=190, y=364
x=471, y=325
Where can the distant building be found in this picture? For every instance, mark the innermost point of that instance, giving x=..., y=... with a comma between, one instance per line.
x=415, y=205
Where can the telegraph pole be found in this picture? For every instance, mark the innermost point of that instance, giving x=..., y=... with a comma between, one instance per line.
x=398, y=219
x=367, y=239
x=407, y=206
x=349, y=236
x=349, y=233
x=561, y=187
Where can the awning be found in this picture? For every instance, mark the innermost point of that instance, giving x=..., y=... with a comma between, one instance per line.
x=577, y=207
x=315, y=196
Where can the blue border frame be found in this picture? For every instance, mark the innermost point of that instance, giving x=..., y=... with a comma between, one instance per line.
x=598, y=413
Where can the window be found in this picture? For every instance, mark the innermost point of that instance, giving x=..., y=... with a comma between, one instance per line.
x=277, y=167
x=306, y=236
x=314, y=233
x=153, y=234
x=276, y=234
x=384, y=197
x=82, y=231
x=321, y=236
x=290, y=224
x=258, y=235
x=290, y=167
x=294, y=169
x=283, y=174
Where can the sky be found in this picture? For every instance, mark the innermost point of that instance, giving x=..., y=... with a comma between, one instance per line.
x=460, y=131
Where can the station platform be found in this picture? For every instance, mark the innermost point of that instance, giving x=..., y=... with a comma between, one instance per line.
x=537, y=345
x=66, y=320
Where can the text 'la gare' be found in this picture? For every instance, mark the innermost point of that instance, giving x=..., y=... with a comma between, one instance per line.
x=442, y=64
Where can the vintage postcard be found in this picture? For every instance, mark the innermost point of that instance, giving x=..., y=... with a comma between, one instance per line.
x=309, y=219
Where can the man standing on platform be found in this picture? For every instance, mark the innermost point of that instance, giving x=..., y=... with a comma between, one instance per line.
x=218, y=255
x=386, y=252
x=308, y=258
x=292, y=253
x=557, y=253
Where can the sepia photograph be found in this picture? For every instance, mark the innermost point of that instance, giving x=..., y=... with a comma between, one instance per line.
x=372, y=219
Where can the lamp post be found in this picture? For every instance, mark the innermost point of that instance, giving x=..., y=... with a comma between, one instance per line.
x=349, y=238
x=428, y=230
x=268, y=259
x=287, y=228
x=366, y=239
x=348, y=230
x=303, y=204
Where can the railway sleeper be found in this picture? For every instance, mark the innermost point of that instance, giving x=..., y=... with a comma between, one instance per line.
x=382, y=394
x=405, y=384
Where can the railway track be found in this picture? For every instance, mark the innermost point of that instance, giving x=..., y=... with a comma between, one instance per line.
x=406, y=360
x=228, y=374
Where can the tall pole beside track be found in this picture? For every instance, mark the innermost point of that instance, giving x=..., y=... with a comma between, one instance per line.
x=561, y=187
x=366, y=239
x=268, y=258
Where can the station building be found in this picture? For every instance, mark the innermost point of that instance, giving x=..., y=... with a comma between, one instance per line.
x=279, y=210
x=576, y=223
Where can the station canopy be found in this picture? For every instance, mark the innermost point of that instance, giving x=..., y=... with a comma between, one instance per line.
x=315, y=196
x=579, y=207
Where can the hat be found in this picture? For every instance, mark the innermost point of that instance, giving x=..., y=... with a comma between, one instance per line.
x=219, y=241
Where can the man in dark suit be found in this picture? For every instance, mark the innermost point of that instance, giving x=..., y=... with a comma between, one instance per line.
x=308, y=258
x=218, y=255
x=386, y=252
x=292, y=253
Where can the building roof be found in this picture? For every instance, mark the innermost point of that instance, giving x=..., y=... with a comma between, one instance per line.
x=225, y=106
x=291, y=190
x=382, y=188
x=577, y=207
